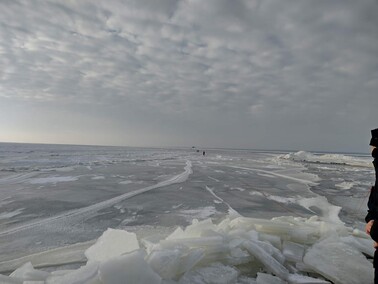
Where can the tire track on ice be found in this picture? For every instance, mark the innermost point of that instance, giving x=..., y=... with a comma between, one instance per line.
x=103, y=204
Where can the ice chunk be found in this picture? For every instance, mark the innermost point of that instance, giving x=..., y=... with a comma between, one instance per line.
x=304, y=235
x=328, y=212
x=165, y=262
x=86, y=274
x=243, y=223
x=293, y=251
x=112, y=243
x=339, y=262
x=224, y=225
x=177, y=234
x=27, y=272
x=197, y=227
x=274, y=228
x=263, y=278
x=130, y=268
x=238, y=256
x=302, y=279
x=300, y=266
x=216, y=273
x=273, y=239
x=270, y=263
x=194, y=242
x=170, y=264
x=362, y=245
x=270, y=249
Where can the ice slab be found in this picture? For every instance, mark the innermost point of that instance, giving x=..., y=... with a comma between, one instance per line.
x=170, y=264
x=363, y=245
x=54, y=257
x=302, y=279
x=263, y=278
x=293, y=252
x=128, y=268
x=270, y=263
x=216, y=273
x=112, y=243
x=85, y=274
x=27, y=272
x=327, y=212
x=339, y=262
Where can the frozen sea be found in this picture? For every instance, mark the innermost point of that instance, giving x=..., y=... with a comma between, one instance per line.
x=65, y=196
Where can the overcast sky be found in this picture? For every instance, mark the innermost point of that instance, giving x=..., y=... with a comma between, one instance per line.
x=271, y=74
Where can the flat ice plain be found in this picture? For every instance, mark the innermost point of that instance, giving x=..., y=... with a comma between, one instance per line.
x=83, y=214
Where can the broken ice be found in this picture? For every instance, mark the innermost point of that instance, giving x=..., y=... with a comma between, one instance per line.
x=227, y=252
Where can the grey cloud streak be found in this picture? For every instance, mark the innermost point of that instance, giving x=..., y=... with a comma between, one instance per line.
x=251, y=74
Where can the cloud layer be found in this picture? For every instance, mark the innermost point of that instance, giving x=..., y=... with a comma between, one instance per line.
x=252, y=74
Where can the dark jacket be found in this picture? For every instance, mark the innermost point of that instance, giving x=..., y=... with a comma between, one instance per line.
x=373, y=212
x=372, y=205
x=373, y=198
x=374, y=236
x=375, y=163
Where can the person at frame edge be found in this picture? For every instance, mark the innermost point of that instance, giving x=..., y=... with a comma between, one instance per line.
x=371, y=226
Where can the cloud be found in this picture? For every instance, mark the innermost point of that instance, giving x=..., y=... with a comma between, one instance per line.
x=251, y=71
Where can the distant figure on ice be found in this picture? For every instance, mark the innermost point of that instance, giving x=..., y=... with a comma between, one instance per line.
x=203, y=153
x=372, y=216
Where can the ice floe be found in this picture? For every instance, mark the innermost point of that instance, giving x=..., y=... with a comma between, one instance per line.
x=238, y=249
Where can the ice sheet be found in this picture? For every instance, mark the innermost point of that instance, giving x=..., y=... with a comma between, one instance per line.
x=264, y=186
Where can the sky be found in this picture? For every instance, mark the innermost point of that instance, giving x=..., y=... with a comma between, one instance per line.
x=271, y=74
